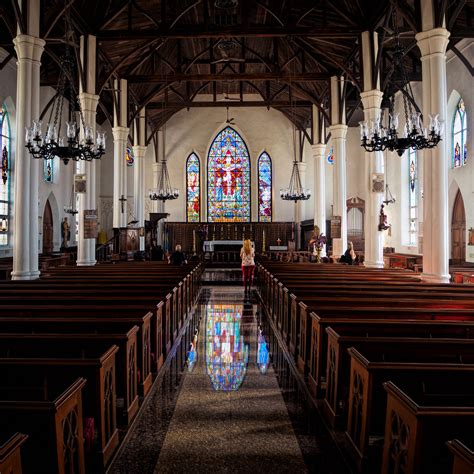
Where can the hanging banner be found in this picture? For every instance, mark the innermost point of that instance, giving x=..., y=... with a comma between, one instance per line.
x=90, y=224
x=80, y=183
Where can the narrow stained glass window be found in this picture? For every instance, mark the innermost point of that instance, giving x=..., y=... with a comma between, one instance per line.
x=193, y=196
x=228, y=178
x=264, y=188
x=412, y=196
x=5, y=180
x=48, y=170
x=459, y=151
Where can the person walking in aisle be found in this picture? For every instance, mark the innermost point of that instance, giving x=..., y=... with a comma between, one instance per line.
x=247, y=255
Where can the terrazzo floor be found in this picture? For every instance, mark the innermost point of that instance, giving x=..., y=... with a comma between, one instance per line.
x=220, y=406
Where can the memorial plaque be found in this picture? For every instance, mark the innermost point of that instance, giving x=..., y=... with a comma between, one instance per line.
x=336, y=227
x=90, y=224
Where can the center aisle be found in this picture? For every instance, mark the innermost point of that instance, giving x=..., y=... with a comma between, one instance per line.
x=230, y=415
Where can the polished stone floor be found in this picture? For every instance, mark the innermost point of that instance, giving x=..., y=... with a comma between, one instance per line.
x=224, y=403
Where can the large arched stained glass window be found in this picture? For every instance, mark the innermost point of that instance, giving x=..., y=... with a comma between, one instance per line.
x=5, y=179
x=228, y=179
x=459, y=151
x=264, y=188
x=193, y=193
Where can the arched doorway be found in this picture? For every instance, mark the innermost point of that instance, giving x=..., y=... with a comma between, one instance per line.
x=458, y=231
x=47, y=229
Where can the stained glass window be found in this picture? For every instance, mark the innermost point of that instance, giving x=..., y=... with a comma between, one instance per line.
x=129, y=156
x=48, y=170
x=459, y=151
x=264, y=188
x=193, y=194
x=228, y=179
x=412, y=196
x=5, y=181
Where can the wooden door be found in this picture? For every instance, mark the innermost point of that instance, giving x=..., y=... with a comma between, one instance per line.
x=458, y=231
x=47, y=230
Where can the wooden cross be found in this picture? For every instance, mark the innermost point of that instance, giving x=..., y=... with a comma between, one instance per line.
x=122, y=200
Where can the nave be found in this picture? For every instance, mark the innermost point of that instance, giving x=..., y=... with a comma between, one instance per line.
x=221, y=405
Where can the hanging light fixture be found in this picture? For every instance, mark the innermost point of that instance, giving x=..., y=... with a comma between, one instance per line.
x=51, y=143
x=164, y=192
x=294, y=192
x=71, y=209
x=377, y=137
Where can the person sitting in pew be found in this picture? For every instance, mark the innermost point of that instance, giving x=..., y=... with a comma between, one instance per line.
x=349, y=256
x=177, y=257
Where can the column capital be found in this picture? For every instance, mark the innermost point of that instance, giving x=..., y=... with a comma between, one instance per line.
x=432, y=42
x=120, y=133
x=28, y=47
x=371, y=100
x=89, y=102
x=319, y=149
x=156, y=166
x=338, y=130
x=139, y=151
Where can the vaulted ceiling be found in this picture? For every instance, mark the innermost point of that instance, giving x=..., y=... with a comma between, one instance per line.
x=283, y=52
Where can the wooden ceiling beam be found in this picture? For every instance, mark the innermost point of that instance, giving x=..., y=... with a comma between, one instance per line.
x=230, y=104
x=264, y=76
x=196, y=32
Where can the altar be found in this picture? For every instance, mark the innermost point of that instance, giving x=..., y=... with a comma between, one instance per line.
x=222, y=245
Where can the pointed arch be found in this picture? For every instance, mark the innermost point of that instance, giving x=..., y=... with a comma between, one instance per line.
x=265, y=204
x=459, y=136
x=228, y=178
x=193, y=188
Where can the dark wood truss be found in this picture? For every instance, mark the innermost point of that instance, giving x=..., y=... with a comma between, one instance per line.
x=178, y=54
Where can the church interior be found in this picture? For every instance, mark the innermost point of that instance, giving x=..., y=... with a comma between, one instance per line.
x=236, y=236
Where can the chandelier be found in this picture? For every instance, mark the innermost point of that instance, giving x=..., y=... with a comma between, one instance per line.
x=377, y=137
x=295, y=191
x=164, y=192
x=51, y=143
x=71, y=208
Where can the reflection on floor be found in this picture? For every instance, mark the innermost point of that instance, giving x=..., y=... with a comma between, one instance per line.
x=221, y=406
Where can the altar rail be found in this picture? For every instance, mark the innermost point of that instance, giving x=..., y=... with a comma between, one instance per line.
x=191, y=235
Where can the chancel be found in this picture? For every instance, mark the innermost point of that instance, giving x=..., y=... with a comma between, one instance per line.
x=159, y=158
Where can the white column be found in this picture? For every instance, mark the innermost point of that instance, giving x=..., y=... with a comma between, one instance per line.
x=120, y=176
x=338, y=134
x=319, y=191
x=138, y=188
x=432, y=44
x=373, y=252
x=87, y=200
x=89, y=102
x=25, y=223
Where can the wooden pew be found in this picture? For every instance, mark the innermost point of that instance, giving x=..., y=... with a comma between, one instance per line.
x=126, y=359
x=95, y=315
x=463, y=457
x=10, y=454
x=51, y=415
x=315, y=358
x=420, y=422
x=97, y=366
x=338, y=360
x=367, y=399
